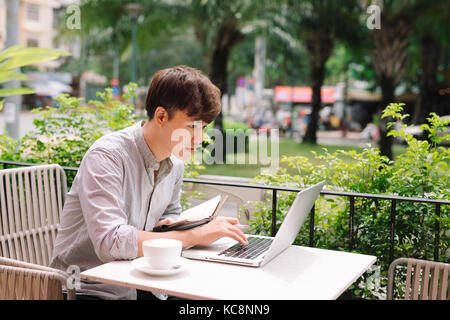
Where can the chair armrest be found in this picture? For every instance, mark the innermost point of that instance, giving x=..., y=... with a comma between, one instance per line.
x=58, y=274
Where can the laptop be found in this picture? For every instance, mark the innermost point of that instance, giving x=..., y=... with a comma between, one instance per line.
x=260, y=249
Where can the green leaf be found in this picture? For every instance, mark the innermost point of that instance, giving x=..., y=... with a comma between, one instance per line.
x=10, y=52
x=19, y=51
x=24, y=60
x=17, y=56
x=15, y=91
x=12, y=75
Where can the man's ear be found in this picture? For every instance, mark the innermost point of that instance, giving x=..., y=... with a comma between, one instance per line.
x=161, y=116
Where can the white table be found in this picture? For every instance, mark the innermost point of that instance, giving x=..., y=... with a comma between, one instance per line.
x=297, y=273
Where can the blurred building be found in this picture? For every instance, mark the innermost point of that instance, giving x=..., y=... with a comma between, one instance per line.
x=37, y=22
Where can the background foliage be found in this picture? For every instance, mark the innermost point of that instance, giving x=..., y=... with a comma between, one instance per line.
x=422, y=171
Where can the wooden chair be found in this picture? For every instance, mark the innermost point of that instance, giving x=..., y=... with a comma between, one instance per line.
x=425, y=280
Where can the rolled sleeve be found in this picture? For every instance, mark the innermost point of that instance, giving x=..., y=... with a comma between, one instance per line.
x=101, y=182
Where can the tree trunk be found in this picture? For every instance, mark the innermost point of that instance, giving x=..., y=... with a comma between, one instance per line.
x=228, y=36
x=320, y=47
x=385, y=143
x=430, y=54
x=317, y=77
x=389, y=56
x=219, y=76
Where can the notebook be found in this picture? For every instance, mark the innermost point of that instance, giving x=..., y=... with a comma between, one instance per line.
x=195, y=216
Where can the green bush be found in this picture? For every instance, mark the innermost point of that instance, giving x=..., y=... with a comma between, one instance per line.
x=10, y=59
x=422, y=171
x=64, y=133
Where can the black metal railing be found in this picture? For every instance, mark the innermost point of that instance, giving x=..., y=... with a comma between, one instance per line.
x=350, y=195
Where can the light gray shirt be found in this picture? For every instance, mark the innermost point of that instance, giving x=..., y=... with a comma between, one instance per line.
x=114, y=194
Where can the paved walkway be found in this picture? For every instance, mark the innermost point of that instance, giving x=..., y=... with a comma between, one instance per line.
x=336, y=138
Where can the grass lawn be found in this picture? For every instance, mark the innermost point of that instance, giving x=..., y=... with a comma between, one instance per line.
x=288, y=147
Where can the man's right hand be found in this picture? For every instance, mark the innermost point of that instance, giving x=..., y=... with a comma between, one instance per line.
x=203, y=235
x=219, y=228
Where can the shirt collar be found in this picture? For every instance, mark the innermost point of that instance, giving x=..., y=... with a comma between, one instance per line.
x=149, y=159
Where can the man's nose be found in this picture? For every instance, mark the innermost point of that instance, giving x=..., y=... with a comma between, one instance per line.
x=198, y=137
x=196, y=142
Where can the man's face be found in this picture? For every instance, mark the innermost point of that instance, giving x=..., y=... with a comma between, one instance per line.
x=185, y=134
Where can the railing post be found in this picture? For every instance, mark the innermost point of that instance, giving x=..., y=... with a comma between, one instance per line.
x=274, y=212
x=437, y=226
x=392, y=235
x=351, y=222
x=311, y=225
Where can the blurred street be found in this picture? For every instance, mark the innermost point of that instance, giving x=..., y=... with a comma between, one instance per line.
x=331, y=137
x=335, y=138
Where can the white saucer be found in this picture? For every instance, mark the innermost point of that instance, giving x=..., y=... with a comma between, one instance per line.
x=141, y=265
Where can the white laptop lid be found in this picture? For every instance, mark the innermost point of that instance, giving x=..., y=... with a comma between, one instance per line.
x=293, y=221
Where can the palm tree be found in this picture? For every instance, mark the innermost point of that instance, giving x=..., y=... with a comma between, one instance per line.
x=390, y=53
x=433, y=30
x=106, y=29
x=220, y=25
x=217, y=27
x=319, y=24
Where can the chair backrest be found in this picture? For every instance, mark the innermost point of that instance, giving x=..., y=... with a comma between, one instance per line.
x=425, y=280
x=31, y=202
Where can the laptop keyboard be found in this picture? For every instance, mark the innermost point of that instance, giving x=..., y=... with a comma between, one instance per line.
x=254, y=248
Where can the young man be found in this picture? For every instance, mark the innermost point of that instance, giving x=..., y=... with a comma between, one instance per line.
x=129, y=181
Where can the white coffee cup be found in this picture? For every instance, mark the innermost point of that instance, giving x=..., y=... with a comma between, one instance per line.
x=162, y=253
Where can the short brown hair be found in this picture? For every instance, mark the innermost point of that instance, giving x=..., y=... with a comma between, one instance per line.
x=183, y=88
